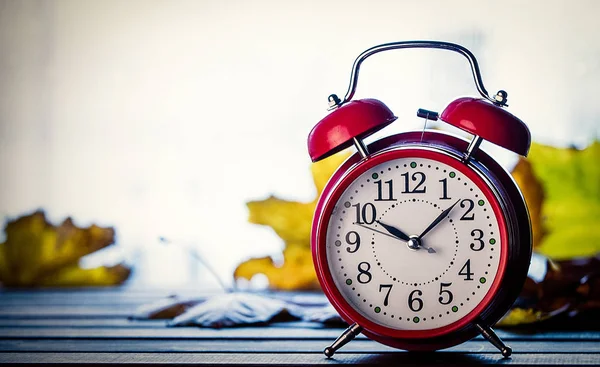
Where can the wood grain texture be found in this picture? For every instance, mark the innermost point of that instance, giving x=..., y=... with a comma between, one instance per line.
x=289, y=333
x=66, y=311
x=114, y=322
x=297, y=359
x=269, y=346
x=90, y=327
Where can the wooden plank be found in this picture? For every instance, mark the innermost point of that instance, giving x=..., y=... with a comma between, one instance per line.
x=91, y=291
x=70, y=300
x=182, y=346
x=302, y=359
x=308, y=329
x=92, y=297
x=292, y=331
x=90, y=327
x=44, y=311
x=170, y=333
x=9, y=301
x=269, y=346
x=118, y=322
x=128, y=295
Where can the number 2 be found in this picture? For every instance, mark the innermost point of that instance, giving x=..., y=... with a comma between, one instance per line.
x=470, y=205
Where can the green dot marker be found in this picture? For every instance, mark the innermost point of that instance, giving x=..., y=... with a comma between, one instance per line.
x=416, y=320
x=375, y=176
x=413, y=165
x=492, y=241
x=452, y=174
x=482, y=280
x=481, y=202
x=348, y=281
x=454, y=309
x=377, y=309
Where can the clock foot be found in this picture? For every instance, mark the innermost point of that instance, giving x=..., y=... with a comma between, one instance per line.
x=346, y=337
x=490, y=335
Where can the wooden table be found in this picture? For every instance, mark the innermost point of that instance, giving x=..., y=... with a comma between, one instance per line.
x=85, y=327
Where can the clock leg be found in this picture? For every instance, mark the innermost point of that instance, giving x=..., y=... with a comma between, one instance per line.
x=361, y=147
x=347, y=336
x=490, y=335
x=472, y=148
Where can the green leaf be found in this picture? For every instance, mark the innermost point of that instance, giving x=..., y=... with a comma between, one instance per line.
x=571, y=209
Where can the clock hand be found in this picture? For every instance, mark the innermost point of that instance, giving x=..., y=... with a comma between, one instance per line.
x=437, y=220
x=429, y=249
x=376, y=230
x=394, y=231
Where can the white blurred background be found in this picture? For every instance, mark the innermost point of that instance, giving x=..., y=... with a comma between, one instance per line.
x=162, y=118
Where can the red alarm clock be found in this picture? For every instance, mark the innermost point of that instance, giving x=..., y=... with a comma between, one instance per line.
x=420, y=240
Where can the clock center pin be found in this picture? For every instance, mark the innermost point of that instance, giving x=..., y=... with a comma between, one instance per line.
x=413, y=243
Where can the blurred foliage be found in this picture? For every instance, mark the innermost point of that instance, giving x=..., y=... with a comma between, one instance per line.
x=292, y=222
x=566, y=287
x=562, y=191
x=296, y=272
x=533, y=193
x=570, y=213
x=37, y=253
x=561, y=187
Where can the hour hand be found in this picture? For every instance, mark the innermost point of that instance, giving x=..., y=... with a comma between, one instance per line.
x=394, y=231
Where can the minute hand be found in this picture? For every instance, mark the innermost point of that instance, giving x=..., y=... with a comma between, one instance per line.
x=438, y=219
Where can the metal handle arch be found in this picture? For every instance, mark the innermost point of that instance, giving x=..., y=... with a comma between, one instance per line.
x=419, y=44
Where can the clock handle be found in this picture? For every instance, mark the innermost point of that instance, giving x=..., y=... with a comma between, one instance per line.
x=499, y=99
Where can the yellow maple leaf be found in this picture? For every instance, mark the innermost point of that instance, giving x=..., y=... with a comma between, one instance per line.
x=519, y=316
x=38, y=253
x=295, y=273
x=533, y=193
x=74, y=276
x=292, y=222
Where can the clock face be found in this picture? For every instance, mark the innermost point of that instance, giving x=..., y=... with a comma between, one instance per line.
x=415, y=244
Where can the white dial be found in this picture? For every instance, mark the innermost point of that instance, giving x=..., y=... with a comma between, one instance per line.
x=413, y=244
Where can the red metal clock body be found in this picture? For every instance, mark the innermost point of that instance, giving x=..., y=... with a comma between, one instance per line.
x=420, y=240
